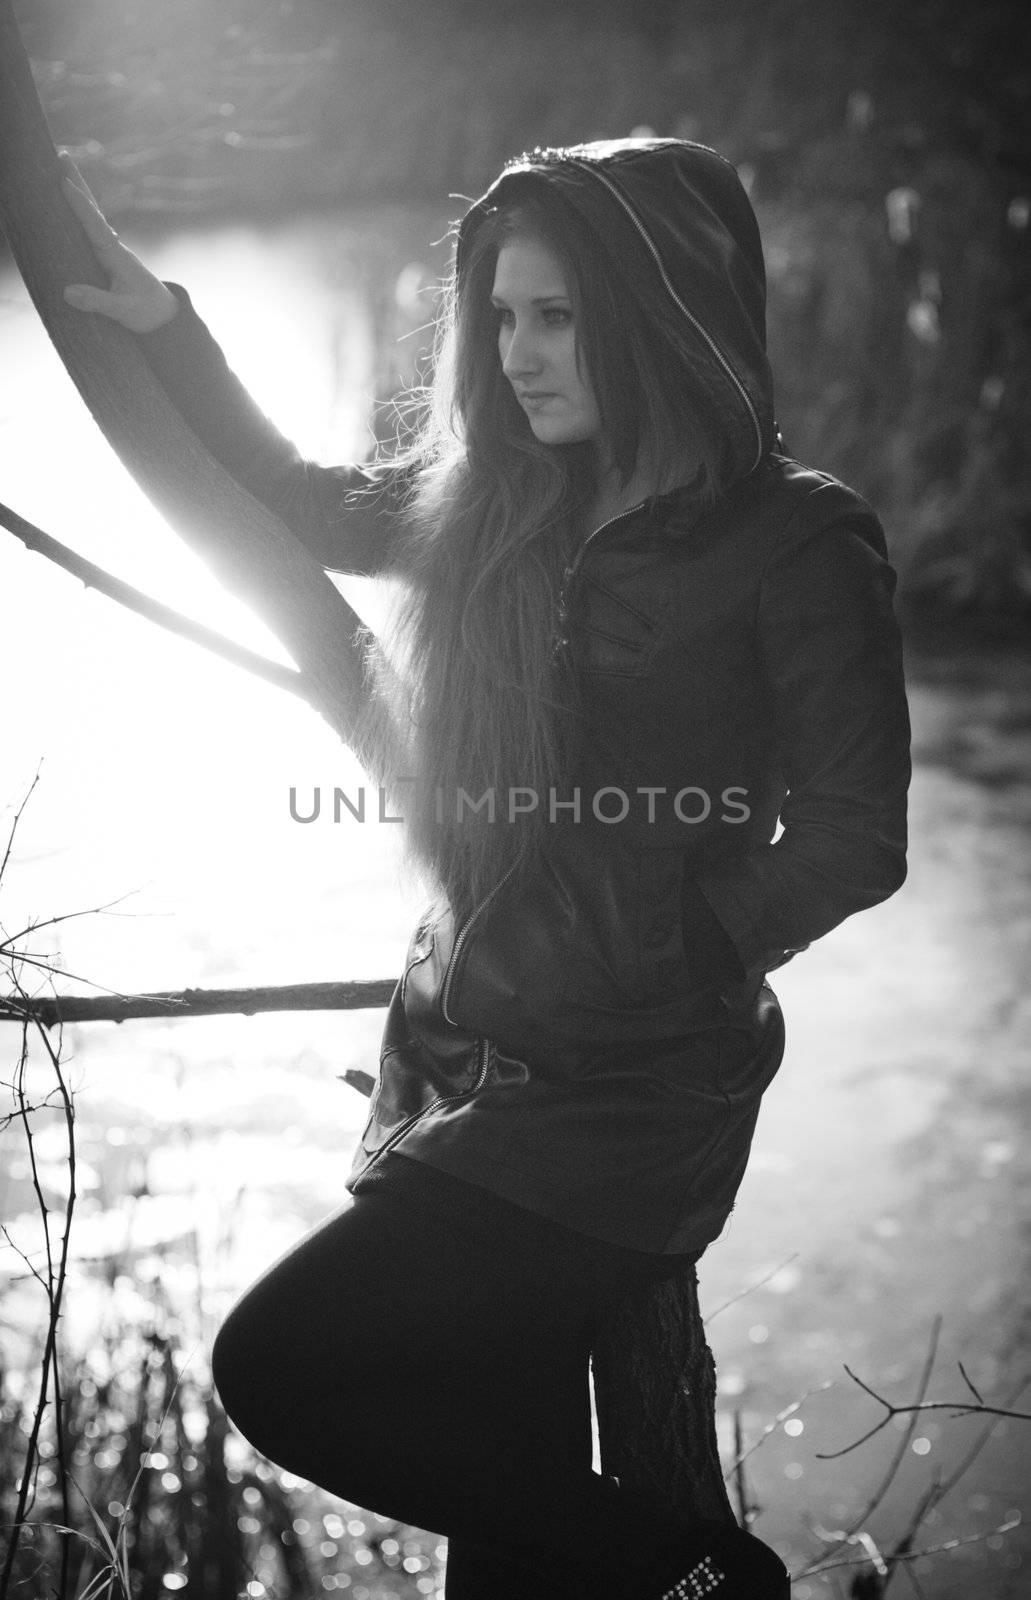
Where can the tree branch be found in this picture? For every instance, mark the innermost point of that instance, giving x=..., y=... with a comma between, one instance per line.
x=858, y=1523
x=750, y=1288
x=133, y=599
x=956, y=1543
x=742, y=1451
x=959, y=1408
x=248, y=548
x=51, y=1010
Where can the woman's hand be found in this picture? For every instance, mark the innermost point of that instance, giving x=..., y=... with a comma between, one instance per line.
x=134, y=296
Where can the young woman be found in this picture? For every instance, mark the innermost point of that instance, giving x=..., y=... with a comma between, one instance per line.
x=633, y=635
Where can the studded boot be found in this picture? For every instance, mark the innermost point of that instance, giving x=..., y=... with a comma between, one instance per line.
x=722, y=1562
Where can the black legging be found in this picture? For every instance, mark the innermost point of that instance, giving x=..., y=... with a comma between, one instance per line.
x=424, y=1354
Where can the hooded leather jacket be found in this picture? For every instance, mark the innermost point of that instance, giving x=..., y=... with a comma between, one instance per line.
x=592, y=1042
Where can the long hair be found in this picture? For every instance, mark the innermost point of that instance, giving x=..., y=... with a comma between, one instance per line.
x=470, y=667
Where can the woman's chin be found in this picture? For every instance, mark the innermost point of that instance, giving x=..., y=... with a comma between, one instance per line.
x=555, y=431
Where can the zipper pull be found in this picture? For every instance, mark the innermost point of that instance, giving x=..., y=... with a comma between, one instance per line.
x=562, y=637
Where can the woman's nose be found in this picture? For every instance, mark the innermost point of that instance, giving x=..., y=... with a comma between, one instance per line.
x=521, y=355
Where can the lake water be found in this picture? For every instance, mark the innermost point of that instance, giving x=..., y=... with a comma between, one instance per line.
x=889, y=1176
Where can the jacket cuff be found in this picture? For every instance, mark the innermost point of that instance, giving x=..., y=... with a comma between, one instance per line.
x=166, y=344
x=711, y=953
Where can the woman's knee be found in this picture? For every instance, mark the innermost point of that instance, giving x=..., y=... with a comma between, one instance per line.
x=244, y=1367
x=267, y=1387
x=311, y=1417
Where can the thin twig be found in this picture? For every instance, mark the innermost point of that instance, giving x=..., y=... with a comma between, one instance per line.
x=875, y=1499
x=913, y=1581
x=47, y=965
x=11, y=939
x=14, y=825
x=740, y=1487
x=54, y=1053
x=133, y=599
x=972, y=1454
x=28, y=1468
x=743, y=1294
x=33, y=1271
x=937, y=1491
x=959, y=1408
x=925, y=1378
x=771, y=1427
x=927, y=1550
x=904, y=1543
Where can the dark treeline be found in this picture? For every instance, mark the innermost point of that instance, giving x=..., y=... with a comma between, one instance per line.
x=885, y=147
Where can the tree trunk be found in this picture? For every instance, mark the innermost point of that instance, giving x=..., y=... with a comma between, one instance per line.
x=655, y=1390
x=248, y=548
x=653, y=1370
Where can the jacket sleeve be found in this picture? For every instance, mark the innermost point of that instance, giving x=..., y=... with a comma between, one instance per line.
x=832, y=659
x=346, y=516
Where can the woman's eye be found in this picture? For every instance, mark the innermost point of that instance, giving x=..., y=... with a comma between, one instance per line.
x=557, y=316
x=503, y=317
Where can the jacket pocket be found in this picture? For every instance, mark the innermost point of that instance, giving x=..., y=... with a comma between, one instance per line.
x=618, y=618
x=586, y=947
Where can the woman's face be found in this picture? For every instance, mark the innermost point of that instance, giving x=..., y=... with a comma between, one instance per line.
x=537, y=343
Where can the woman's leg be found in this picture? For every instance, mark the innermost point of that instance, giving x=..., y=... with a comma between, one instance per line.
x=476, y=1572
x=435, y=1370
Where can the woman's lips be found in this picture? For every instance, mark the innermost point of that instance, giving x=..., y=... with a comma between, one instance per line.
x=532, y=401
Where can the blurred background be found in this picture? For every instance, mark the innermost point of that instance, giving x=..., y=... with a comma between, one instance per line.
x=297, y=166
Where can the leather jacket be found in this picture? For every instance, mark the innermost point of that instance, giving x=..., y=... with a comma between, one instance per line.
x=593, y=1041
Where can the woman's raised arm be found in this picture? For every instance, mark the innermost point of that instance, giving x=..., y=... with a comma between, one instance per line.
x=346, y=516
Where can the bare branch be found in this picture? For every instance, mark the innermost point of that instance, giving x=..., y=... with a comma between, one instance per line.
x=27, y=1479
x=969, y=1383
x=5, y=1232
x=752, y=1287
x=740, y=1486
x=925, y=1378
x=888, y=1479
x=48, y=1011
x=44, y=964
x=779, y=1419
x=14, y=825
x=934, y=1495
x=958, y=1408
x=905, y=1541
x=11, y=939
x=364, y=1082
x=968, y=1460
x=927, y=1550
x=914, y=1582
x=133, y=599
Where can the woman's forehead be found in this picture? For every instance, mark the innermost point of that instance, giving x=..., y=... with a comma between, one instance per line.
x=528, y=269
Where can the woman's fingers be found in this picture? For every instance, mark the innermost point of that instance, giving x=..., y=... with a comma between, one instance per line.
x=84, y=297
x=134, y=296
x=141, y=310
x=71, y=172
x=99, y=231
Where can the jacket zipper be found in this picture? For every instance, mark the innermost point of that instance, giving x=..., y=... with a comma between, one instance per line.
x=466, y=928
x=703, y=333
x=460, y=938
x=482, y=1045
x=565, y=592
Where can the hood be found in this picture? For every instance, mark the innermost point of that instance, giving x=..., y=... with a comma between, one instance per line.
x=674, y=218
